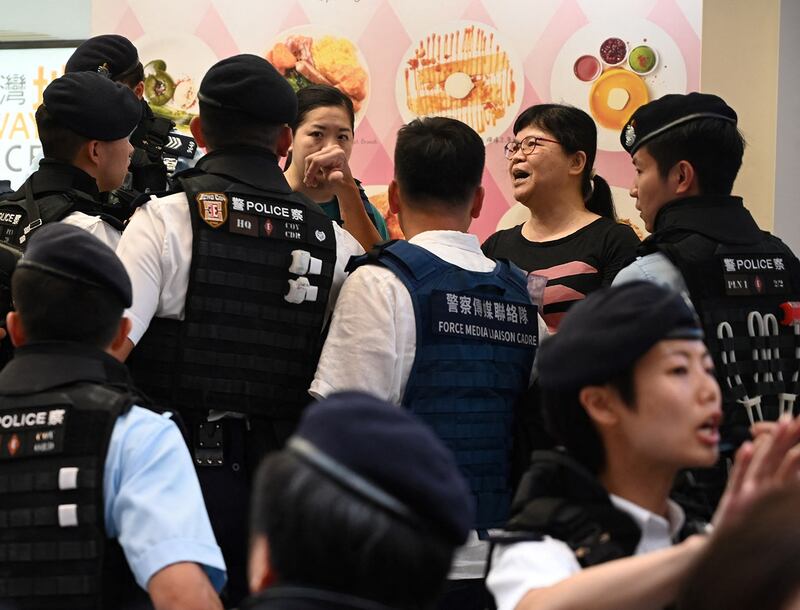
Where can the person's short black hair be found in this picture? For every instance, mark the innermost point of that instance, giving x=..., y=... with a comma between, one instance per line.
x=132, y=77
x=224, y=129
x=438, y=161
x=575, y=131
x=714, y=147
x=53, y=308
x=321, y=96
x=567, y=421
x=58, y=142
x=321, y=534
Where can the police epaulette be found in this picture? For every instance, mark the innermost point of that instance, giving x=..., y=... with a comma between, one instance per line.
x=372, y=256
x=143, y=198
x=511, y=537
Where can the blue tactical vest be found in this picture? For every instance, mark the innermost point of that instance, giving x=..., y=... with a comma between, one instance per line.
x=477, y=335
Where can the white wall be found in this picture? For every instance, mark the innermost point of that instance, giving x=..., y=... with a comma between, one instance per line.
x=42, y=19
x=787, y=167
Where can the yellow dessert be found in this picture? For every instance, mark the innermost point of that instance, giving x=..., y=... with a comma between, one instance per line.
x=615, y=96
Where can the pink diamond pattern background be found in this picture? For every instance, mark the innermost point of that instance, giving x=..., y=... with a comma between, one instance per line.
x=383, y=30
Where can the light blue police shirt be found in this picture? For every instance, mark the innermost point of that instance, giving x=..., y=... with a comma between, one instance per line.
x=655, y=268
x=153, y=503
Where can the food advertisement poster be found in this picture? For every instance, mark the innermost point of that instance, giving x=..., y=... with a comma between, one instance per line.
x=480, y=61
x=24, y=74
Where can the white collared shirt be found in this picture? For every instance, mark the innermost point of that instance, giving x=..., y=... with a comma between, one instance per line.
x=521, y=567
x=96, y=226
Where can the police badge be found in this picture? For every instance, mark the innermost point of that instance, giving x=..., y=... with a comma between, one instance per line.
x=630, y=135
x=213, y=208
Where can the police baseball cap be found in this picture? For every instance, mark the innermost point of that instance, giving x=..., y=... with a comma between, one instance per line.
x=71, y=253
x=250, y=85
x=92, y=106
x=385, y=455
x=669, y=112
x=111, y=55
x=605, y=334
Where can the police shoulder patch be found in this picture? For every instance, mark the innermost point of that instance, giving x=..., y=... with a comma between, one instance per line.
x=213, y=208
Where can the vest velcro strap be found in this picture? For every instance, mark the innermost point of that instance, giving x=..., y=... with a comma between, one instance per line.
x=451, y=429
x=49, y=551
x=298, y=318
x=240, y=281
x=242, y=335
x=269, y=258
x=24, y=482
x=244, y=362
x=492, y=380
x=261, y=393
x=43, y=517
x=46, y=586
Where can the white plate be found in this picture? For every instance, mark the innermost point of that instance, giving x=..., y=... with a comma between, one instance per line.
x=668, y=77
x=471, y=114
x=315, y=32
x=185, y=55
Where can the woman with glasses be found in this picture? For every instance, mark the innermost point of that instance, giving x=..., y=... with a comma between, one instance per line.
x=572, y=236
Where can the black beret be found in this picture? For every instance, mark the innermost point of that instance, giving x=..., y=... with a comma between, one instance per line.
x=109, y=54
x=606, y=333
x=251, y=85
x=93, y=106
x=74, y=254
x=670, y=111
x=386, y=455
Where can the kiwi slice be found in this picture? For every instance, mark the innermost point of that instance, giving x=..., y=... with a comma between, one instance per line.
x=158, y=85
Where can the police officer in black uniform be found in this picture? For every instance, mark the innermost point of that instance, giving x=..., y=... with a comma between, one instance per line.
x=363, y=509
x=117, y=58
x=687, y=151
x=84, y=123
x=91, y=483
x=233, y=276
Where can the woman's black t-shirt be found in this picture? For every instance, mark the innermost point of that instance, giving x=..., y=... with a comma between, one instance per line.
x=574, y=265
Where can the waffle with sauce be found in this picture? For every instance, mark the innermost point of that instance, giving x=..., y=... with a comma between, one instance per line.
x=469, y=51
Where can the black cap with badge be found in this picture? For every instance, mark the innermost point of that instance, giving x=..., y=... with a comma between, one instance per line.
x=250, y=85
x=93, y=106
x=671, y=111
x=74, y=254
x=111, y=55
x=606, y=333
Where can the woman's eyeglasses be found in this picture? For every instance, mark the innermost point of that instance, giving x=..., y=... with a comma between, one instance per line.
x=528, y=145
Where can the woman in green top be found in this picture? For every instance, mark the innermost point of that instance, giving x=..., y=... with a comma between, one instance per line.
x=318, y=163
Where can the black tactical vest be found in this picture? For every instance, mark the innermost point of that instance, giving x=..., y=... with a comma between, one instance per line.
x=738, y=277
x=558, y=497
x=260, y=277
x=58, y=406
x=47, y=196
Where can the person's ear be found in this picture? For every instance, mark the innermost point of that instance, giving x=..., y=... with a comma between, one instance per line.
x=122, y=333
x=685, y=178
x=94, y=154
x=394, y=197
x=284, y=142
x=260, y=573
x=599, y=402
x=577, y=163
x=139, y=89
x=477, y=201
x=16, y=331
x=196, y=127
